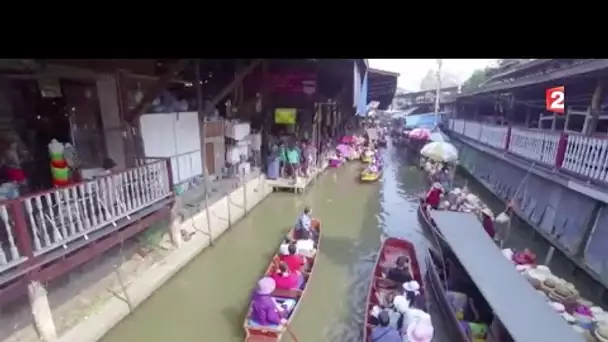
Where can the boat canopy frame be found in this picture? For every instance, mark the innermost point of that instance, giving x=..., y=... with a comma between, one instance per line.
x=521, y=310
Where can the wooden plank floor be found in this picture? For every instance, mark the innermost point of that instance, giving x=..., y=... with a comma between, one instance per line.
x=302, y=183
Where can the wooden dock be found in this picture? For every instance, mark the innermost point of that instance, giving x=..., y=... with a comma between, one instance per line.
x=299, y=186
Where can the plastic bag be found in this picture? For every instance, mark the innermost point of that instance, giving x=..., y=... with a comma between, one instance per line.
x=502, y=218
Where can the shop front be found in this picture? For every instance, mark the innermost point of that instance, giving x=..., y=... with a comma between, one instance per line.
x=65, y=183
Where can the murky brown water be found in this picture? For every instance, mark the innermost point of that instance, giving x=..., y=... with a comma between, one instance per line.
x=207, y=300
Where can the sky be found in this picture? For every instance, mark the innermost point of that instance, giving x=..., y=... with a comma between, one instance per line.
x=413, y=70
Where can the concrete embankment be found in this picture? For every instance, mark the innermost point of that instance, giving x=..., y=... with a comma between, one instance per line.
x=190, y=237
x=222, y=215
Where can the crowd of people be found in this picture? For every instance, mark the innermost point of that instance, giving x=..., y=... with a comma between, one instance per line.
x=396, y=318
x=291, y=158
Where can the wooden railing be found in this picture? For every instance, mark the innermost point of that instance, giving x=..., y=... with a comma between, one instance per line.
x=583, y=156
x=38, y=224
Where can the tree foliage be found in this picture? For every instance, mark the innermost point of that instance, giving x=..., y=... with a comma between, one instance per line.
x=477, y=79
x=429, y=81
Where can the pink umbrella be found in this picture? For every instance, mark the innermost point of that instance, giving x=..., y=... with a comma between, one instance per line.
x=347, y=139
x=420, y=134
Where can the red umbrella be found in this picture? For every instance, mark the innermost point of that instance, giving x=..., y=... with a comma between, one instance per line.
x=420, y=134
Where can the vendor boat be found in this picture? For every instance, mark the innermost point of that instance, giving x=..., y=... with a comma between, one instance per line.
x=391, y=249
x=369, y=176
x=367, y=156
x=291, y=299
x=469, y=252
x=335, y=162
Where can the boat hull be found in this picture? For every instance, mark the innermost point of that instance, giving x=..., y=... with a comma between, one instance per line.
x=369, y=177
x=425, y=219
x=256, y=333
x=390, y=250
x=366, y=160
x=437, y=297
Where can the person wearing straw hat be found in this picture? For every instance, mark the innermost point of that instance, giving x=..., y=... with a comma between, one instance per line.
x=264, y=310
x=411, y=291
x=421, y=330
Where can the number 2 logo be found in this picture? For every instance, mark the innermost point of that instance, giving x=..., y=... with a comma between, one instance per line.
x=554, y=99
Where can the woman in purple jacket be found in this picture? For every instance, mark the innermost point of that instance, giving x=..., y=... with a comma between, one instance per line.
x=264, y=310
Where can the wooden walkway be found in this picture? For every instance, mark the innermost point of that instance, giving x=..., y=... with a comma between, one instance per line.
x=301, y=184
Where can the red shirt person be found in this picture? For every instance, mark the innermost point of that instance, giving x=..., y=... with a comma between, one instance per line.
x=293, y=261
x=284, y=279
x=433, y=197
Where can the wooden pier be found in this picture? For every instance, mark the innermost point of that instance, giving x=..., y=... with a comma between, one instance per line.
x=302, y=182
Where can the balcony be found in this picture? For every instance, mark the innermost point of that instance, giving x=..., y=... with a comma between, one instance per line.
x=38, y=229
x=583, y=157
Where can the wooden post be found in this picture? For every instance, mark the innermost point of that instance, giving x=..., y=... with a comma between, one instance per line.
x=528, y=116
x=202, y=113
x=595, y=109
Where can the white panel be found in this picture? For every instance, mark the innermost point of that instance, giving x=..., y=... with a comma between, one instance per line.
x=175, y=136
x=187, y=131
x=158, y=135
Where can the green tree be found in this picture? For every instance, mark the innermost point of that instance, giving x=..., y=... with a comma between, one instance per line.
x=477, y=79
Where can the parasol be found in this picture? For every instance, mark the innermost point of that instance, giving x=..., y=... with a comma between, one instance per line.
x=420, y=134
x=344, y=149
x=348, y=139
x=440, y=151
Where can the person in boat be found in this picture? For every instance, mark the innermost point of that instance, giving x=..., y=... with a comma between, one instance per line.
x=384, y=332
x=372, y=168
x=293, y=261
x=264, y=309
x=411, y=291
x=487, y=221
x=284, y=246
x=468, y=301
x=433, y=196
x=444, y=177
x=286, y=279
x=401, y=273
x=421, y=329
x=303, y=228
x=396, y=311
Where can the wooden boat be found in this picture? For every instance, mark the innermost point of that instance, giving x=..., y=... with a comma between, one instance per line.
x=513, y=305
x=367, y=176
x=366, y=158
x=427, y=222
x=391, y=249
x=257, y=333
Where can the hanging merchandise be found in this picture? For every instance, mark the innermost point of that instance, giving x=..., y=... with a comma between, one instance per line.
x=60, y=170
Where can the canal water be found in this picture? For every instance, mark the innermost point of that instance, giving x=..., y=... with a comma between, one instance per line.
x=208, y=298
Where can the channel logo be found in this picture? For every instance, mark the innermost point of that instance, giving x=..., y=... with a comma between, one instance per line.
x=554, y=99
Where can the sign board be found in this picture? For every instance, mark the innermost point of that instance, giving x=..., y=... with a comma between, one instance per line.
x=285, y=116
